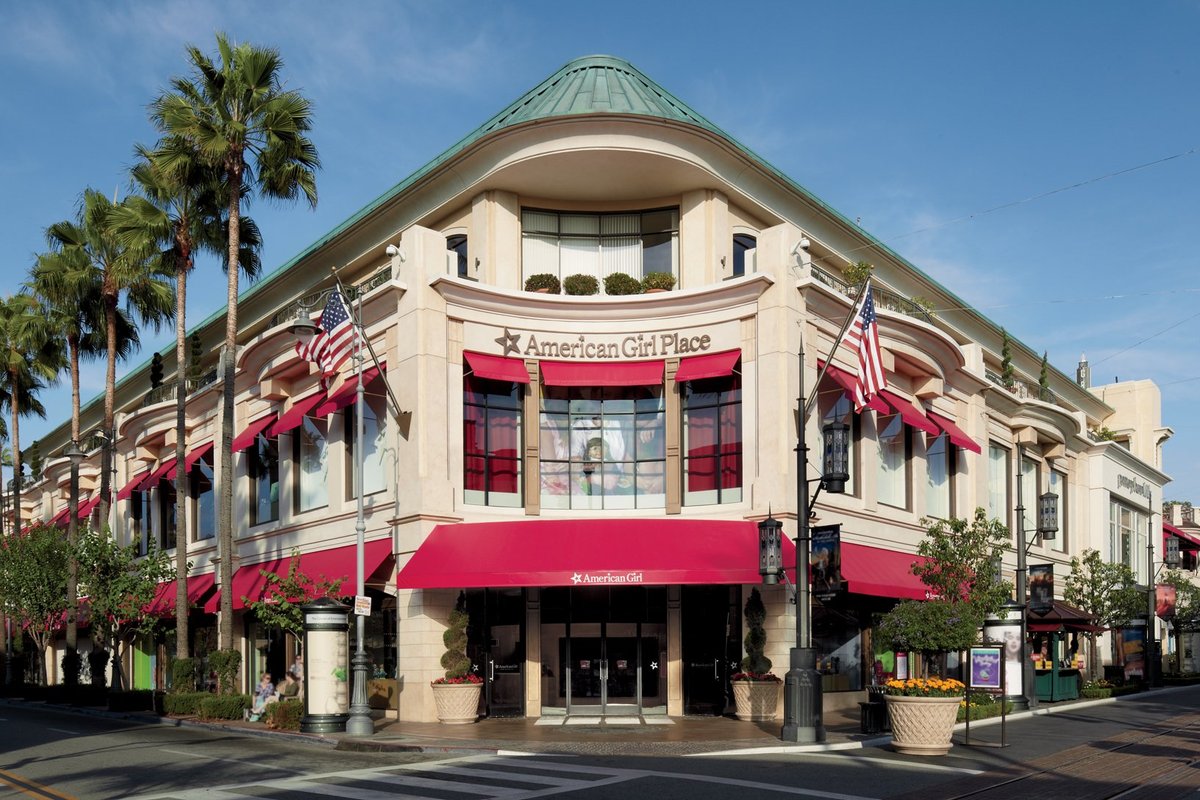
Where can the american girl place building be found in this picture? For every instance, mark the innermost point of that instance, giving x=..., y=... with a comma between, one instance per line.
x=586, y=471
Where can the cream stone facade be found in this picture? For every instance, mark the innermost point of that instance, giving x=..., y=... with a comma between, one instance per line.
x=480, y=485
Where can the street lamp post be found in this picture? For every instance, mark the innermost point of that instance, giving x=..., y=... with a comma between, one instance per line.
x=75, y=455
x=1047, y=527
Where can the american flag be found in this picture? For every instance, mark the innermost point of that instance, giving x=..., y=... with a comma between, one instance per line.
x=863, y=338
x=333, y=345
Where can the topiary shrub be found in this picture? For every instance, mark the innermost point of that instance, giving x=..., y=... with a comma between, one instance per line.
x=72, y=665
x=455, y=660
x=284, y=715
x=581, y=284
x=226, y=664
x=185, y=704
x=756, y=665
x=543, y=280
x=97, y=664
x=619, y=283
x=663, y=281
x=223, y=706
x=183, y=675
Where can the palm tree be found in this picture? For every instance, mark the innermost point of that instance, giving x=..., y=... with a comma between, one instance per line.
x=123, y=273
x=69, y=296
x=240, y=119
x=30, y=358
x=178, y=212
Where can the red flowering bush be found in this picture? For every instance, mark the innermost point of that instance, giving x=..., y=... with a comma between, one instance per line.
x=755, y=676
x=468, y=678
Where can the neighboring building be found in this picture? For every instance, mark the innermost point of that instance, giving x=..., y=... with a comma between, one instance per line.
x=588, y=471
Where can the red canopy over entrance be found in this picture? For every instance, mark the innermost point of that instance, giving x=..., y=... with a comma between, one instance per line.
x=882, y=573
x=616, y=552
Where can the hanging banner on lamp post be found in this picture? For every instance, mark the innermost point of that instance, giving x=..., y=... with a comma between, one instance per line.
x=1164, y=600
x=825, y=561
x=1041, y=588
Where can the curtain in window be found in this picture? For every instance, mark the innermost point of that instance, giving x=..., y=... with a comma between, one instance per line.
x=700, y=430
x=892, y=467
x=731, y=446
x=313, y=465
x=1029, y=494
x=503, y=429
x=937, y=484
x=998, y=483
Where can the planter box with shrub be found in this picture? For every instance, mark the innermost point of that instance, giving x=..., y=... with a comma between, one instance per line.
x=223, y=706
x=581, y=284
x=658, y=282
x=619, y=283
x=543, y=282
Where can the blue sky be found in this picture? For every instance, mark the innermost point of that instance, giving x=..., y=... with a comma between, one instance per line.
x=917, y=118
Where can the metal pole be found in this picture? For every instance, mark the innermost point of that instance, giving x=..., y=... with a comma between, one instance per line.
x=1028, y=689
x=802, y=695
x=1152, y=677
x=359, y=723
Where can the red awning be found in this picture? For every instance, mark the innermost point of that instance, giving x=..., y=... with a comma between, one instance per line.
x=1044, y=627
x=956, y=434
x=294, y=416
x=588, y=552
x=909, y=413
x=151, y=480
x=61, y=516
x=163, y=604
x=604, y=373
x=332, y=564
x=85, y=510
x=847, y=382
x=346, y=393
x=497, y=368
x=882, y=573
x=710, y=365
x=246, y=438
x=191, y=458
x=1182, y=534
x=133, y=485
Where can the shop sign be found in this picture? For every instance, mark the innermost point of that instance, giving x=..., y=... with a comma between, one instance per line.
x=825, y=561
x=604, y=347
x=1041, y=587
x=1134, y=486
x=986, y=664
x=362, y=605
x=580, y=578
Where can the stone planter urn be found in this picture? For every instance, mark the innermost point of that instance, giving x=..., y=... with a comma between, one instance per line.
x=457, y=703
x=756, y=701
x=922, y=726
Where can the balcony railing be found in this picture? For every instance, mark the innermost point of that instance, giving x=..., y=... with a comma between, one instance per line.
x=1025, y=390
x=166, y=390
x=884, y=297
x=315, y=302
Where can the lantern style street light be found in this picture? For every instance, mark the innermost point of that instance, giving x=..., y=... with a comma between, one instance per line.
x=1047, y=527
x=75, y=455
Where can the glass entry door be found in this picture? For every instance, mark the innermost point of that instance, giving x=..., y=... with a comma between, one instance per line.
x=610, y=666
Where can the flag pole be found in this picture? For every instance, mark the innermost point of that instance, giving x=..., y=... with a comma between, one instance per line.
x=397, y=412
x=812, y=398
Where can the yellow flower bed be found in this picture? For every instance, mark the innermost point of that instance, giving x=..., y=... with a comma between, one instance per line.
x=925, y=687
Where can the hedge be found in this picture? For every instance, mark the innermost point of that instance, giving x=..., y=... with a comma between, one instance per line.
x=284, y=715
x=983, y=710
x=223, y=706
x=184, y=703
x=136, y=700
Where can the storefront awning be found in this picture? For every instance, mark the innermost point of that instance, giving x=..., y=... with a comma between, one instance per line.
x=1183, y=535
x=846, y=381
x=151, y=480
x=191, y=458
x=163, y=604
x=246, y=438
x=346, y=393
x=604, y=373
x=61, y=516
x=709, y=365
x=909, y=413
x=85, y=509
x=294, y=416
x=588, y=552
x=128, y=489
x=956, y=434
x=331, y=564
x=497, y=368
x=882, y=573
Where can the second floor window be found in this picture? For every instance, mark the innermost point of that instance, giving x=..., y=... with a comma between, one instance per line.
x=939, y=483
x=140, y=528
x=998, y=505
x=310, y=460
x=204, y=521
x=375, y=472
x=1127, y=537
x=712, y=441
x=892, y=485
x=491, y=442
x=166, y=513
x=599, y=244
x=263, y=456
x=1058, y=485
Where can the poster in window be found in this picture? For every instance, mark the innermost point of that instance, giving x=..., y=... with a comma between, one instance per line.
x=825, y=560
x=1164, y=600
x=1041, y=588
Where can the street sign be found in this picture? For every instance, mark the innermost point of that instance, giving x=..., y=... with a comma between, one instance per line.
x=362, y=606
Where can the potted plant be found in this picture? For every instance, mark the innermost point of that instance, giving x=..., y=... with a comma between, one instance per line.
x=856, y=275
x=457, y=693
x=580, y=284
x=755, y=689
x=543, y=283
x=658, y=282
x=956, y=564
x=620, y=283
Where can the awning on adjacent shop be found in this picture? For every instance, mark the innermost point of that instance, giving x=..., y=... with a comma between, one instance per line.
x=163, y=603
x=497, y=368
x=191, y=458
x=882, y=573
x=85, y=509
x=332, y=564
x=588, y=552
x=911, y=415
x=346, y=393
x=709, y=365
x=847, y=382
x=602, y=373
x=151, y=480
x=956, y=434
x=294, y=416
x=246, y=438
x=61, y=516
x=1061, y=616
x=128, y=489
x=1183, y=535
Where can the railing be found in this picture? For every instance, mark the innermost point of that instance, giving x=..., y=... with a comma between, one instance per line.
x=884, y=297
x=1025, y=390
x=316, y=300
x=166, y=391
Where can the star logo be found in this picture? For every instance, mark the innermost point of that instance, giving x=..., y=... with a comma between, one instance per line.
x=511, y=342
x=654, y=665
x=576, y=578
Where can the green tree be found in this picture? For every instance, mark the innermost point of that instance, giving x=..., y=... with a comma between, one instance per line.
x=957, y=567
x=120, y=587
x=33, y=580
x=30, y=358
x=279, y=603
x=1187, y=606
x=240, y=118
x=1007, y=374
x=1044, y=378
x=123, y=274
x=1105, y=590
x=175, y=214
